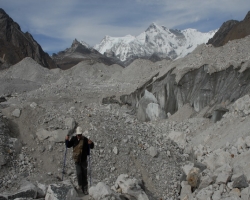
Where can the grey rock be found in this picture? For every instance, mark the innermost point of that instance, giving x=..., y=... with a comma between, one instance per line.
x=186, y=192
x=152, y=151
x=240, y=182
x=70, y=123
x=245, y=193
x=16, y=113
x=199, y=165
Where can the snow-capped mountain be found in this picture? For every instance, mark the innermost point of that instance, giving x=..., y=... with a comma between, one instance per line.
x=166, y=43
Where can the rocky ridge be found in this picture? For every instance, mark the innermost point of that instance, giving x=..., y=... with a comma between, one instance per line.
x=16, y=45
x=78, y=52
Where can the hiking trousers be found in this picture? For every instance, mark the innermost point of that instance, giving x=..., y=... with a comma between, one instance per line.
x=81, y=173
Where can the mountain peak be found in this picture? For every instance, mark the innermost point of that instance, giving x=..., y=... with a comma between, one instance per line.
x=154, y=26
x=247, y=16
x=75, y=42
x=85, y=44
x=2, y=11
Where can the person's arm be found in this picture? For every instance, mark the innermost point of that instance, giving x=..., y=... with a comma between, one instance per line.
x=91, y=144
x=69, y=143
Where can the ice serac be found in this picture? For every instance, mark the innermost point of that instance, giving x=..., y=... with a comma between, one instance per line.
x=157, y=40
x=204, y=78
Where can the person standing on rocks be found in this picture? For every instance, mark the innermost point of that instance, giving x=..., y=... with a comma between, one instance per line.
x=81, y=148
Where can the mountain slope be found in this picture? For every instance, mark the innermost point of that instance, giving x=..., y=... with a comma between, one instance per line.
x=158, y=40
x=16, y=45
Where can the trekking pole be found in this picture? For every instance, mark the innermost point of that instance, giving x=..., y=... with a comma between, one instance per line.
x=64, y=162
x=89, y=167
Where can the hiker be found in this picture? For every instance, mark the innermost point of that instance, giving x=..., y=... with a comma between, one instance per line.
x=81, y=147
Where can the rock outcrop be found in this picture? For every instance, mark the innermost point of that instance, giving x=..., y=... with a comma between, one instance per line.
x=231, y=30
x=16, y=45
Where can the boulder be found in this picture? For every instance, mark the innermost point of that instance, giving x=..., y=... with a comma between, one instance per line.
x=186, y=168
x=179, y=138
x=245, y=194
x=223, y=174
x=216, y=195
x=241, y=164
x=186, y=192
x=193, y=177
x=205, y=193
x=41, y=190
x=61, y=191
x=217, y=159
x=58, y=135
x=42, y=134
x=16, y=113
x=205, y=181
x=152, y=151
x=70, y=124
x=131, y=187
x=240, y=182
x=235, y=192
x=101, y=192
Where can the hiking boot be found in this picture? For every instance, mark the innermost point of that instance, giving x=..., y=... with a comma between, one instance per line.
x=85, y=190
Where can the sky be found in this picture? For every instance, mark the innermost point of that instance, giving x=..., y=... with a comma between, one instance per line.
x=54, y=24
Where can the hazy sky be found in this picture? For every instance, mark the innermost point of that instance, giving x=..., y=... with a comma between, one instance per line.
x=54, y=24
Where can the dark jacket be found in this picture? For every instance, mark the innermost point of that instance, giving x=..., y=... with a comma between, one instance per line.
x=86, y=147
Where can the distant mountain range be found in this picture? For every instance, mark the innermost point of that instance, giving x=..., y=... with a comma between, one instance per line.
x=156, y=43
x=157, y=40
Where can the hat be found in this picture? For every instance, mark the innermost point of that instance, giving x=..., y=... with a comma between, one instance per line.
x=78, y=130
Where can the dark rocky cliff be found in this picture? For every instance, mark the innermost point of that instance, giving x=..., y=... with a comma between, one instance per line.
x=231, y=30
x=16, y=45
x=220, y=35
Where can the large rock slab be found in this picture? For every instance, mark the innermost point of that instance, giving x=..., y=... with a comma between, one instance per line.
x=27, y=190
